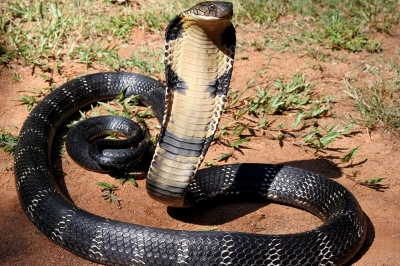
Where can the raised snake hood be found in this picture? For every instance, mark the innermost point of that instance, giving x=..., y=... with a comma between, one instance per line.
x=199, y=51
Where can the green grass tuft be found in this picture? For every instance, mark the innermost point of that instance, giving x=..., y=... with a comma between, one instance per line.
x=8, y=141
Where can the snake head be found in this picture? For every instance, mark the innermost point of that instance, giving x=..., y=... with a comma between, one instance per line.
x=213, y=10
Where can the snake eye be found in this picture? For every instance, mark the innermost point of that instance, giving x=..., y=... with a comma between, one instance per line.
x=212, y=10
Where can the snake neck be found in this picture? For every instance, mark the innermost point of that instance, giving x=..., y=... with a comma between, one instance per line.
x=198, y=70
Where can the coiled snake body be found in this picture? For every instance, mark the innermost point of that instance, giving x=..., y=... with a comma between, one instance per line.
x=199, y=58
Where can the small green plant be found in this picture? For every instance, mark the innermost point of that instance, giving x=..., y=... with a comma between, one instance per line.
x=319, y=107
x=341, y=34
x=128, y=177
x=374, y=181
x=237, y=143
x=6, y=167
x=321, y=139
x=230, y=135
x=222, y=157
x=350, y=155
x=110, y=108
x=292, y=95
x=146, y=61
x=30, y=101
x=209, y=163
x=127, y=107
x=260, y=11
x=146, y=113
x=8, y=141
x=71, y=123
x=224, y=130
x=377, y=102
x=299, y=117
x=109, y=192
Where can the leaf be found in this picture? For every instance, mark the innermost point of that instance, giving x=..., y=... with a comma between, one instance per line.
x=224, y=156
x=110, y=109
x=8, y=141
x=121, y=95
x=309, y=136
x=28, y=100
x=326, y=140
x=242, y=112
x=207, y=229
x=114, y=199
x=263, y=122
x=333, y=129
x=128, y=177
x=374, y=181
x=71, y=49
x=133, y=181
x=82, y=114
x=146, y=113
x=105, y=185
x=251, y=82
x=209, y=163
x=317, y=109
x=347, y=128
x=301, y=102
x=238, y=130
x=350, y=155
x=299, y=116
x=239, y=95
x=237, y=143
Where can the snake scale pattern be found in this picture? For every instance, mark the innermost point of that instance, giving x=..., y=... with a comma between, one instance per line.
x=181, y=148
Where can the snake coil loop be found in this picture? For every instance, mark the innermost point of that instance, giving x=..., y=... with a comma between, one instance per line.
x=199, y=47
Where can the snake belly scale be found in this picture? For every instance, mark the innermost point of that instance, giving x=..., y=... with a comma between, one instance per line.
x=198, y=69
x=198, y=66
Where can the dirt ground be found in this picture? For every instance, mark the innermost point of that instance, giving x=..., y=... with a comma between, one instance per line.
x=21, y=244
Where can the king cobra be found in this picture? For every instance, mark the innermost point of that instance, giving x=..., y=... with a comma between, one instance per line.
x=199, y=50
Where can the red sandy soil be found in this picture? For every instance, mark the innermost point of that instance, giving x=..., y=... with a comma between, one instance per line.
x=378, y=156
